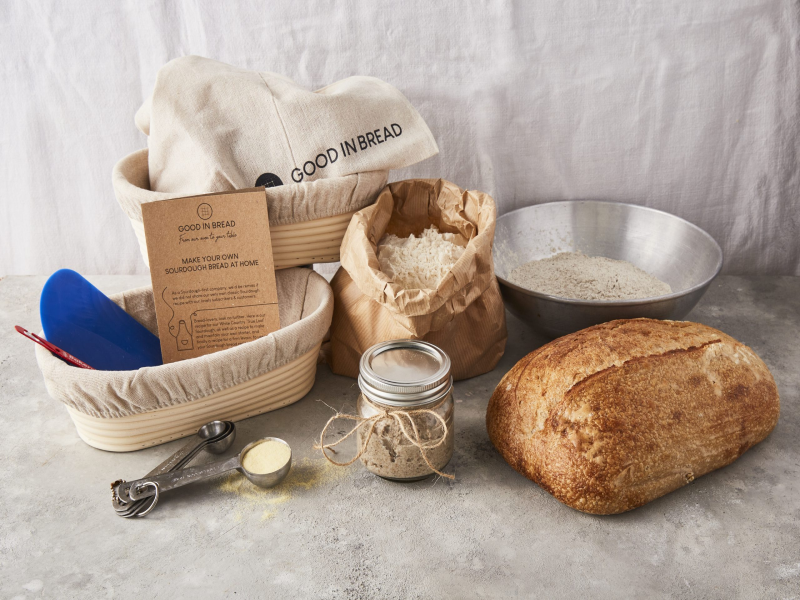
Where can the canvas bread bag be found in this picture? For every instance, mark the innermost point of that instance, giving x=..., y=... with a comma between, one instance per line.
x=464, y=315
x=213, y=127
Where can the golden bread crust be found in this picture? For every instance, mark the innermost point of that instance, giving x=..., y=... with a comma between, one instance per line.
x=616, y=415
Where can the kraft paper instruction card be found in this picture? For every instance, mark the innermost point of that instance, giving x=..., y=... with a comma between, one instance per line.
x=212, y=271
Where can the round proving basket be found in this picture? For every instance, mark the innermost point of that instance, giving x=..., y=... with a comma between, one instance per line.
x=121, y=411
x=307, y=220
x=668, y=247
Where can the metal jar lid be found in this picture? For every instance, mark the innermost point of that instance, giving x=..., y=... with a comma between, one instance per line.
x=404, y=373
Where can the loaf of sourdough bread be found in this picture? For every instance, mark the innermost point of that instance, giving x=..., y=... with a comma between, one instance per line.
x=616, y=415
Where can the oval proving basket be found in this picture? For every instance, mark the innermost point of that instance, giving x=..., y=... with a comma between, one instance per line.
x=307, y=220
x=129, y=410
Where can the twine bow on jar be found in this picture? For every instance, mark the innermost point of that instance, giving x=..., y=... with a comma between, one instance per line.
x=402, y=418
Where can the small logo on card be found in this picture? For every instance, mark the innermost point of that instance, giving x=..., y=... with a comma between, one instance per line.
x=204, y=211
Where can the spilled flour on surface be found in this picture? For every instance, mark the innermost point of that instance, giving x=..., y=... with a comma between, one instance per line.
x=305, y=474
x=273, y=502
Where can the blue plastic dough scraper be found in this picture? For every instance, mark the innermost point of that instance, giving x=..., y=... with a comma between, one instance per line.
x=79, y=318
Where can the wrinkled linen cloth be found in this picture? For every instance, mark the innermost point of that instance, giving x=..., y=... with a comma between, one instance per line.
x=213, y=127
x=287, y=204
x=688, y=107
x=305, y=301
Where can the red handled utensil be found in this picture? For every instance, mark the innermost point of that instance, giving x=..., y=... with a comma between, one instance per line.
x=62, y=354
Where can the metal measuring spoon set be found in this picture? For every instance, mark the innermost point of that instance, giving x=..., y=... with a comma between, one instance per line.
x=138, y=498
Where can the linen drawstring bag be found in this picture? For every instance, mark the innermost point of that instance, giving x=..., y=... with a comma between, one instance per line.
x=321, y=154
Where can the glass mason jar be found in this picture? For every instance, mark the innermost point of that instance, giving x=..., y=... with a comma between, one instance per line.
x=407, y=398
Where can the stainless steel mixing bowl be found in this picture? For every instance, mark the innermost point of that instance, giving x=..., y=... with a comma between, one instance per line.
x=672, y=249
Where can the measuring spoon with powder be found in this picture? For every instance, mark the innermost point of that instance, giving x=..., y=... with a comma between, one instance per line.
x=270, y=461
x=215, y=437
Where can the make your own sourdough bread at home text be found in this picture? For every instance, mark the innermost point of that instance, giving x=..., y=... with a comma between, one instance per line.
x=213, y=127
x=611, y=417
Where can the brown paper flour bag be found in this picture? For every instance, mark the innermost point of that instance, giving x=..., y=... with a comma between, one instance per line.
x=464, y=316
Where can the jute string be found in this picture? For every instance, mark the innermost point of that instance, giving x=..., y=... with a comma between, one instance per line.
x=400, y=417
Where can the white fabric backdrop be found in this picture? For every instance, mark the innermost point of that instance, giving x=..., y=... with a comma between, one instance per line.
x=690, y=107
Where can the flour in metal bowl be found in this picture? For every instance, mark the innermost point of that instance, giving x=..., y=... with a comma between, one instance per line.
x=579, y=277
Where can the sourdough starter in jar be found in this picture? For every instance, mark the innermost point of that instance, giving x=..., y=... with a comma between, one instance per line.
x=412, y=377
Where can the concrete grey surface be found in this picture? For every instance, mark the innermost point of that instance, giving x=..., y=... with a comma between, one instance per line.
x=332, y=532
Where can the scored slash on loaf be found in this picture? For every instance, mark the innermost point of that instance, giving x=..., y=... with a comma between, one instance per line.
x=611, y=417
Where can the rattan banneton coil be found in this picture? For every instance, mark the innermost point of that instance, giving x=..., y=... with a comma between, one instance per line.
x=122, y=411
x=316, y=241
x=270, y=391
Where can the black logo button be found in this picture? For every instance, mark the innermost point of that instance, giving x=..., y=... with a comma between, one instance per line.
x=268, y=180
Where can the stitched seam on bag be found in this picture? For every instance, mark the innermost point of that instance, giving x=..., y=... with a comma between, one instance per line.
x=280, y=118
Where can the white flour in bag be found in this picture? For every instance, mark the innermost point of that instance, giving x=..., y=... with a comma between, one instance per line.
x=579, y=277
x=419, y=262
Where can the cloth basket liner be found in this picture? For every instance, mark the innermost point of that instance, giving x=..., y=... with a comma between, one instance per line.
x=306, y=307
